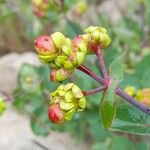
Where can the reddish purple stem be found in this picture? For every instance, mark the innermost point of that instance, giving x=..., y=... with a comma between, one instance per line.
x=93, y=91
x=91, y=74
x=101, y=63
x=132, y=101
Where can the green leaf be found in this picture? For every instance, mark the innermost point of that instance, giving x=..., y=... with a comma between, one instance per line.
x=107, y=105
x=121, y=142
x=116, y=68
x=39, y=122
x=101, y=145
x=142, y=66
x=72, y=29
x=130, y=119
x=141, y=145
x=96, y=129
x=146, y=78
x=28, y=78
x=113, y=143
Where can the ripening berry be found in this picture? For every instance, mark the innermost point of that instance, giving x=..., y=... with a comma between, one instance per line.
x=55, y=114
x=44, y=45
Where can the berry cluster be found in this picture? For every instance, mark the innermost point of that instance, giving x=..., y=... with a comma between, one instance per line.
x=65, y=101
x=63, y=56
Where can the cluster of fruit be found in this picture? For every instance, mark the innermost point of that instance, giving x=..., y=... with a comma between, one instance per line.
x=63, y=56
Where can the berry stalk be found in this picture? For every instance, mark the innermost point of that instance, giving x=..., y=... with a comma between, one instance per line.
x=132, y=101
x=91, y=74
x=93, y=91
x=101, y=63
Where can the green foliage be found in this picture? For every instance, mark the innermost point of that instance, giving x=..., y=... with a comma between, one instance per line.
x=131, y=120
x=142, y=65
x=107, y=105
x=116, y=69
x=72, y=29
x=113, y=143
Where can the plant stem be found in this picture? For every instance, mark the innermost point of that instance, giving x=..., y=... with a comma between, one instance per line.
x=119, y=92
x=93, y=91
x=132, y=101
x=91, y=74
x=101, y=63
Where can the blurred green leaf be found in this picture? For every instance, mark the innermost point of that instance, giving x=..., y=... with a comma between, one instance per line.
x=120, y=142
x=142, y=145
x=142, y=66
x=39, y=122
x=28, y=78
x=130, y=79
x=107, y=105
x=116, y=69
x=96, y=129
x=146, y=79
x=100, y=145
x=72, y=29
x=130, y=119
x=44, y=74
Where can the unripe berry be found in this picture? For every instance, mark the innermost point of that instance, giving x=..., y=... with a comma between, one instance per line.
x=44, y=45
x=59, y=39
x=59, y=74
x=55, y=114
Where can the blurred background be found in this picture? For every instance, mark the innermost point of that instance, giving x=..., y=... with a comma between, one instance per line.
x=25, y=85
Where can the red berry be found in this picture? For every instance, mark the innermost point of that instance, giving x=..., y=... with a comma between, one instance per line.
x=55, y=114
x=44, y=45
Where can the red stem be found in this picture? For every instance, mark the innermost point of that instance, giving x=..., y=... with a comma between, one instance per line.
x=101, y=63
x=132, y=101
x=91, y=74
x=93, y=91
